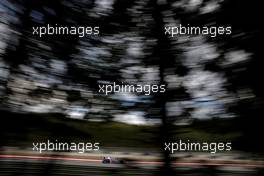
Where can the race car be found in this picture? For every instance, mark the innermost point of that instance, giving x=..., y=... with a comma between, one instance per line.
x=110, y=160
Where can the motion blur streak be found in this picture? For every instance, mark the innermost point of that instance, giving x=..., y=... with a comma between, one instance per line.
x=205, y=88
x=137, y=162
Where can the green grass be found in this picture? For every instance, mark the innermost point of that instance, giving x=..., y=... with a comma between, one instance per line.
x=23, y=129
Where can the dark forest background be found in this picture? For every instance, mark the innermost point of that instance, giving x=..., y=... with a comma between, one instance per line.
x=217, y=80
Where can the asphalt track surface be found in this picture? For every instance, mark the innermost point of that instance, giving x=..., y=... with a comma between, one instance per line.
x=96, y=161
x=57, y=165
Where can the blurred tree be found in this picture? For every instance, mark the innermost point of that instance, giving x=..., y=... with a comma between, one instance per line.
x=132, y=48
